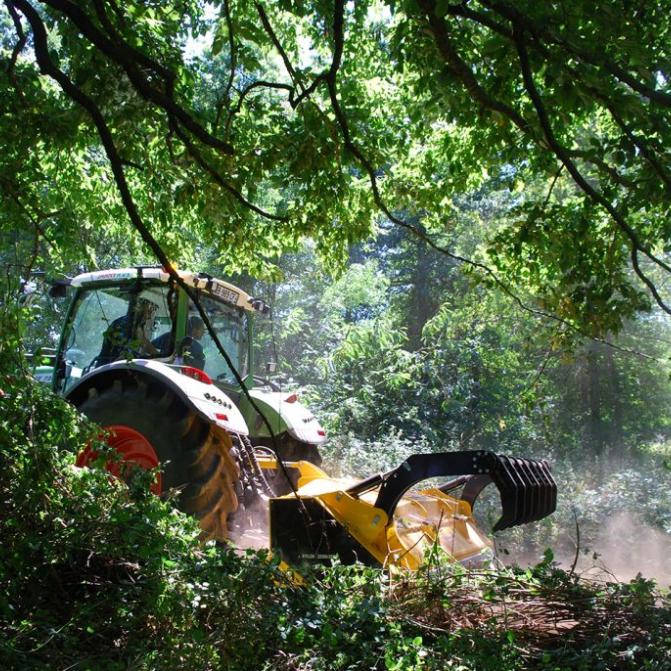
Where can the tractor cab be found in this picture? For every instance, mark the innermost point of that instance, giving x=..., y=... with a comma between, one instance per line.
x=140, y=314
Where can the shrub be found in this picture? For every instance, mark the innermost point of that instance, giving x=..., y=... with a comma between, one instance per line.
x=98, y=575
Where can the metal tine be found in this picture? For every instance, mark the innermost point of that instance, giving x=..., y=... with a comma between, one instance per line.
x=518, y=473
x=517, y=486
x=512, y=493
x=535, y=489
x=506, y=486
x=553, y=487
x=527, y=492
x=541, y=491
x=548, y=490
x=547, y=487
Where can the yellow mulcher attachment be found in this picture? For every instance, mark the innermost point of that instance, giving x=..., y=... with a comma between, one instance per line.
x=383, y=521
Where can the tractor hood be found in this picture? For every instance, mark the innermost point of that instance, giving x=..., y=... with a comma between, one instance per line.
x=284, y=413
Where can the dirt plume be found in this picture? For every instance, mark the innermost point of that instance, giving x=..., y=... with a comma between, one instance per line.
x=626, y=546
x=251, y=528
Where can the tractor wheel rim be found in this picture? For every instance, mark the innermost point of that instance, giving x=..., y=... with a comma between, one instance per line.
x=134, y=449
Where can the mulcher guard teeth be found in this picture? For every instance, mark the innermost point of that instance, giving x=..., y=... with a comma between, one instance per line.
x=528, y=490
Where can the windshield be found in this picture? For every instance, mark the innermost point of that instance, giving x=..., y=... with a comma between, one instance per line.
x=111, y=323
x=230, y=325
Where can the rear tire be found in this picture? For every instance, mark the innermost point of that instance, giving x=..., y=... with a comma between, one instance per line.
x=195, y=456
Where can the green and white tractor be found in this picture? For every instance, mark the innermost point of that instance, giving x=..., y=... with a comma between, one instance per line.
x=134, y=356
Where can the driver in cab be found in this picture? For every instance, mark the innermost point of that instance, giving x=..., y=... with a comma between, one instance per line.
x=128, y=335
x=190, y=351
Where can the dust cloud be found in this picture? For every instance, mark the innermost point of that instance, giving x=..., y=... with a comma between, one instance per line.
x=622, y=548
x=250, y=529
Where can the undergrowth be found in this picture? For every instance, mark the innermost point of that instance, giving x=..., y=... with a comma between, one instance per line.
x=96, y=575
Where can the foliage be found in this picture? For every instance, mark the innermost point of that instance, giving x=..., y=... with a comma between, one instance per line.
x=233, y=130
x=526, y=144
x=479, y=373
x=95, y=575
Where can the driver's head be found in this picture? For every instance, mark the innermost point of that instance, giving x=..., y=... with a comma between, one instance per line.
x=196, y=327
x=145, y=310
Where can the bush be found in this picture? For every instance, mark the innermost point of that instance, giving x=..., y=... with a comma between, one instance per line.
x=98, y=575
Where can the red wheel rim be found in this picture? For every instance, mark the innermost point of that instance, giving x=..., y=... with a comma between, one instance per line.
x=134, y=449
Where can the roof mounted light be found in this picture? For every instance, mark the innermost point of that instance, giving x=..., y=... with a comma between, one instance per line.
x=259, y=305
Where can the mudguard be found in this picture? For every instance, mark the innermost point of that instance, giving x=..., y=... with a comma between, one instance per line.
x=284, y=413
x=206, y=399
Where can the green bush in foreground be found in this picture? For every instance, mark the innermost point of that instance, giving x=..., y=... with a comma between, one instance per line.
x=97, y=575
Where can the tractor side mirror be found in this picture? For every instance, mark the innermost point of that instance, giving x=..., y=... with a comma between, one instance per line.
x=271, y=367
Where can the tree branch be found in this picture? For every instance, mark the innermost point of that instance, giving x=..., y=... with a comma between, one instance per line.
x=305, y=92
x=226, y=95
x=598, y=59
x=277, y=44
x=207, y=167
x=486, y=21
x=563, y=156
x=246, y=91
x=35, y=219
x=600, y=164
x=139, y=56
x=463, y=72
x=636, y=141
x=18, y=48
x=47, y=67
x=128, y=58
x=338, y=36
x=174, y=111
x=231, y=43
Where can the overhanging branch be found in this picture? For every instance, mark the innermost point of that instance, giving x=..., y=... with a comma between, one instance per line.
x=562, y=154
x=217, y=177
x=338, y=36
x=129, y=59
x=596, y=58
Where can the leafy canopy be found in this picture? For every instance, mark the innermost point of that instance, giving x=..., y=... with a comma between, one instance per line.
x=244, y=126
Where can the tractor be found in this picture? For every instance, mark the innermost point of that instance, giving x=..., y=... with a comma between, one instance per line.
x=135, y=357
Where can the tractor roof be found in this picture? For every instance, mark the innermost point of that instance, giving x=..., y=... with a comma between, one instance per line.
x=218, y=288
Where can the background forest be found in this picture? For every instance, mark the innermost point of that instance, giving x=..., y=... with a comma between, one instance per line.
x=460, y=215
